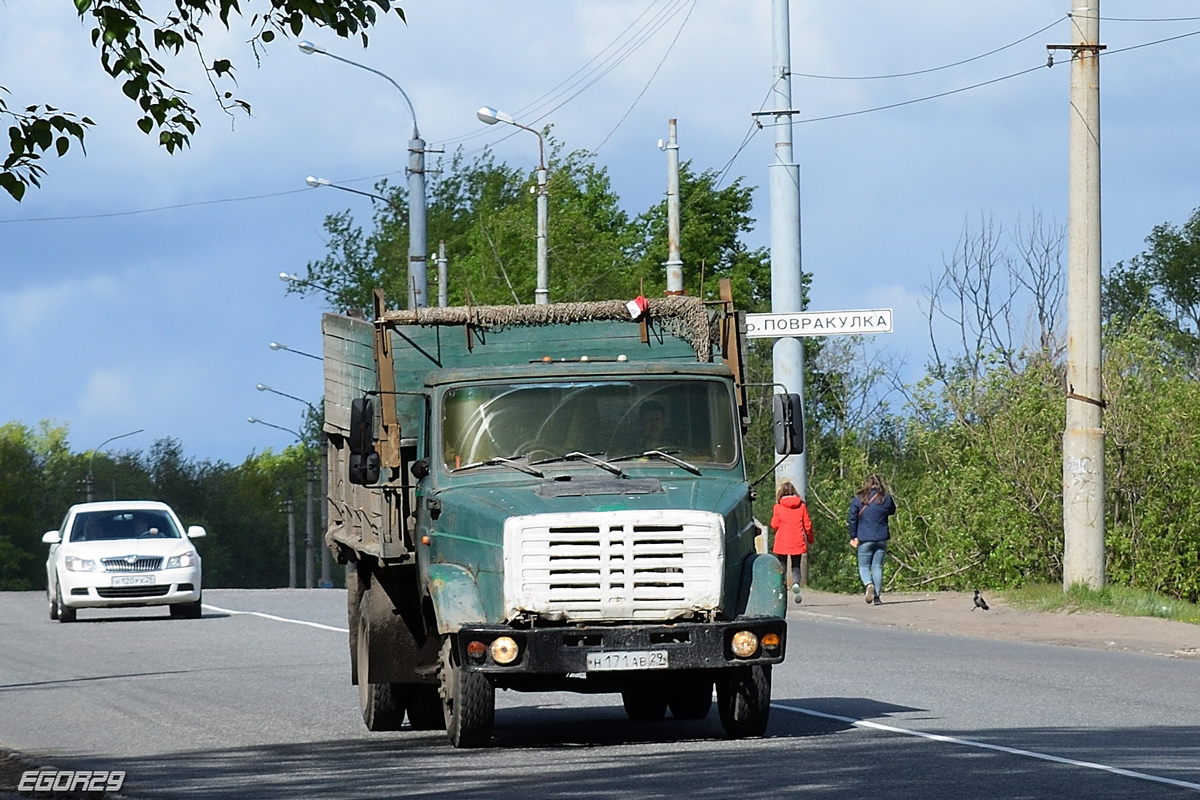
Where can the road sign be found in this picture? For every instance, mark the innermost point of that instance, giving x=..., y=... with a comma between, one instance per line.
x=818, y=323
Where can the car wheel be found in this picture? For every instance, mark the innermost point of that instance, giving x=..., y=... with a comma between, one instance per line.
x=52, y=601
x=64, y=612
x=186, y=610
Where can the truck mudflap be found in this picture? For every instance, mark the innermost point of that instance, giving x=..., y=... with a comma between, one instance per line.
x=621, y=648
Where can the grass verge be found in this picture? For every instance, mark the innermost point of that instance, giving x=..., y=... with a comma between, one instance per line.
x=1113, y=599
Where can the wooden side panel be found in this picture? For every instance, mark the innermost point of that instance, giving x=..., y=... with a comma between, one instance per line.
x=349, y=367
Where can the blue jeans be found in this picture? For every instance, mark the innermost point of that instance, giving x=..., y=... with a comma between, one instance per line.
x=870, y=563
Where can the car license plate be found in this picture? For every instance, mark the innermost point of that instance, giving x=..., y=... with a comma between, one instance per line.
x=622, y=660
x=133, y=580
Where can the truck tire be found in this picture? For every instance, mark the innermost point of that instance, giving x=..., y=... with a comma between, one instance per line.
x=424, y=705
x=380, y=711
x=468, y=701
x=744, y=700
x=645, y=703
x=691, y=695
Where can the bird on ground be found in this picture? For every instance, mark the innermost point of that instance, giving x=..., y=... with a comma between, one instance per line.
x=979, y=601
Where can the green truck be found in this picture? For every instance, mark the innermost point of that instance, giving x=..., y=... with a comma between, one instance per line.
x=549, y=498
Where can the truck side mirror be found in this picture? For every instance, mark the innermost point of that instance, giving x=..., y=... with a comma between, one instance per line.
x=420, y=468
x=364, y=461
x=789, y=424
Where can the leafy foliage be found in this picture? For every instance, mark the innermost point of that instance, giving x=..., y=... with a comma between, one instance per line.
x=240, y=506
x=131, y=39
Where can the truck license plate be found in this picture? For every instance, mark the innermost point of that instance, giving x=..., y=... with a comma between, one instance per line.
x=133, y=580
x=622, y=660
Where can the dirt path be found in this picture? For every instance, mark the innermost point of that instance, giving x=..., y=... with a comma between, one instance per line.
x=955, y=613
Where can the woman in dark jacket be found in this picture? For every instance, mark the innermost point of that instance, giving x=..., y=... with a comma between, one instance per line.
x=870, y=508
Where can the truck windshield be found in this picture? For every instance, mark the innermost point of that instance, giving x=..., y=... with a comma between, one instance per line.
x=693, y=419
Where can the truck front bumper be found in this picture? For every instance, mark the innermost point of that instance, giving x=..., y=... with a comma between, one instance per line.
x=566, y=650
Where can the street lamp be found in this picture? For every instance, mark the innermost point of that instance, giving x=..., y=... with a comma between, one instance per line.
x=262, y=387
x=417, y=254
x=491, y=116
x=88, y=483
x=281, y=346
x=309, y=542
x=294, y=278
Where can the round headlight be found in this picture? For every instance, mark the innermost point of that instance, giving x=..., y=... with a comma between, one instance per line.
x=504, y=650
x=744, y=644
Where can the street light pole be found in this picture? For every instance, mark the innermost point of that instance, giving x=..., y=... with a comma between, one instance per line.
x=491, y=116
x=417, y=247
x=90, y=481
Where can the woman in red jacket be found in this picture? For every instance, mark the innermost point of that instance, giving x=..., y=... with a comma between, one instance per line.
x=793, y=531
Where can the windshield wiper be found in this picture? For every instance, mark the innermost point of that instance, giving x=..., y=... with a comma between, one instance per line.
x=588, y=457
x=508, y=462
x=665, y=456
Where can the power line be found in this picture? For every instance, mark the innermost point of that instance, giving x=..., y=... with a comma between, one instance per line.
x=650, y=80
x=1148, y=44
x=921, y=99
x=1149, y=19
x=931, y=69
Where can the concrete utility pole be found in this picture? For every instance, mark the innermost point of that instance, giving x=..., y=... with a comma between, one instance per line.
x=674, y=262
x=309, y=545
x=290, y=509
x=786, y=293
x=326, y=556
x=1083, y=439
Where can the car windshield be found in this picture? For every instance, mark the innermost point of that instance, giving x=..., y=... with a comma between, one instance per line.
x=693, y=419
x=95, y=526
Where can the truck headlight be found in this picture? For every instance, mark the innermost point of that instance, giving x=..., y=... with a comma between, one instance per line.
x=182, y=560
x=80, y=564
x=744, y=644
x=504, y=650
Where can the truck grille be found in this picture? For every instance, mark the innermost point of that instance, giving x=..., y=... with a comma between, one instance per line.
x=139, y=564
x=626, y=565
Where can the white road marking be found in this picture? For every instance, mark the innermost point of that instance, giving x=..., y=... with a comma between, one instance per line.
x=862, y=723
x=277, y=619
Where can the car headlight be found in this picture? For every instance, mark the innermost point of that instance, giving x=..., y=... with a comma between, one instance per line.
x=182, y=560
x=80, y=564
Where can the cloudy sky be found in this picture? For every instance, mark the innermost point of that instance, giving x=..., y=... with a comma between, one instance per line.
x=140, y=290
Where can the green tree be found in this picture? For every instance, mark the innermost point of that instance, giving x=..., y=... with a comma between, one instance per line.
x=131, y=39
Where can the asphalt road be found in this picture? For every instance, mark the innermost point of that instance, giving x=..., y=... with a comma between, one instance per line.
x=249, y=706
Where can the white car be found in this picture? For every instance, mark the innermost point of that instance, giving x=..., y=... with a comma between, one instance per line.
x=122, y=553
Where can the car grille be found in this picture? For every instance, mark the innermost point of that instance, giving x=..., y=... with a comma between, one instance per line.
x=134, y=591
x=142, y=564
x=629, y=565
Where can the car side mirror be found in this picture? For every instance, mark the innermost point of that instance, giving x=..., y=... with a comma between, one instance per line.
x=364, y=461
x=196, y=532
x=789, y=424
x=51, y=537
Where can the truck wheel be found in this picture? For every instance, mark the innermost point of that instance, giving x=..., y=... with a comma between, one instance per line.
x=744, y=700
x=468, y=701
x=691, y=696
x=64, y=613
x=424, y=706
x=645, y=703
x=380, y=710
